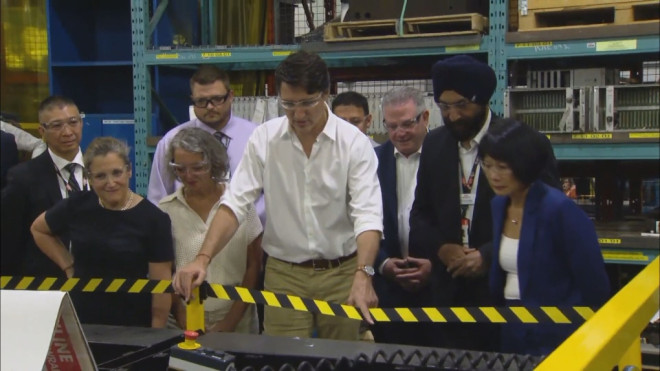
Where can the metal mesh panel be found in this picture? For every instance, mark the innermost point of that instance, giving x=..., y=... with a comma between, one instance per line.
x=262, y=109
x=375, y=90
x=317, y=9
x=651, y=71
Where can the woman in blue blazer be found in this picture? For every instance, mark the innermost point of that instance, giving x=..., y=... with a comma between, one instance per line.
x=545, y=248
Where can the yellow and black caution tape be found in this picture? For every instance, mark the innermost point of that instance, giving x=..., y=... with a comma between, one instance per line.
x=530, y=315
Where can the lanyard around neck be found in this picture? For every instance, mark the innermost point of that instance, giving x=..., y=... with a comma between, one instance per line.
x=67, y=186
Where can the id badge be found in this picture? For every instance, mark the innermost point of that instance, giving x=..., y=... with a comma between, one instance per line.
x=465, y=231
x=467, y=199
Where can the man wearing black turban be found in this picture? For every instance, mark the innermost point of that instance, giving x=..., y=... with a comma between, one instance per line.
x=450, y=221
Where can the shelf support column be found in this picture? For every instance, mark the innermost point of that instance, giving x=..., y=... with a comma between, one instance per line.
x=141, y=92
x=497, y=58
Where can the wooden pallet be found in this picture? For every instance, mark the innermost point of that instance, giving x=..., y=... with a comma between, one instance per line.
x=457, y=24
x=594, y=15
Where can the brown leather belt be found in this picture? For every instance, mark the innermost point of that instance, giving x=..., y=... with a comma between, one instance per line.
x=323, y=264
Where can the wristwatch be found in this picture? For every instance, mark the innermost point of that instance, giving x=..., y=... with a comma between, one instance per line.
x=367, y=269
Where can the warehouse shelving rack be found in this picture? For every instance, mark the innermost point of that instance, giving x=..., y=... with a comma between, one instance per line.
x=100, y=77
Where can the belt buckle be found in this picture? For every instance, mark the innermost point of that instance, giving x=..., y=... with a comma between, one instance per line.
x=314, y=267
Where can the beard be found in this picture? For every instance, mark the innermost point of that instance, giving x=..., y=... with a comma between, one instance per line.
x=466, y=128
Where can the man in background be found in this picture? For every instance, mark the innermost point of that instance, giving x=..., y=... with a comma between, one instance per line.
x=36, y=185
x=354, y=108
x=402, y=280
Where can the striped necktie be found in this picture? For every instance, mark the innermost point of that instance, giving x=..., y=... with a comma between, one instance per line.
x=222, y=138
x=72, y=182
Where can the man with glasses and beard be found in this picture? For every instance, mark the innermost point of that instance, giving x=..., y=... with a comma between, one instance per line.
x=36, y=185
x=450, y=221
x=211, y=97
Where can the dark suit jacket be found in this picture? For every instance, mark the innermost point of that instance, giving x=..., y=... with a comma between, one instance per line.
x=32, y=188
x=559, y=262
x=389, y=293
x=9, y=156
x=435, y=218
x=389, y=245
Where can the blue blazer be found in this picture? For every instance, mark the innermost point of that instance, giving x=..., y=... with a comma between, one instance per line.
x=559, y=259
x=559, y=263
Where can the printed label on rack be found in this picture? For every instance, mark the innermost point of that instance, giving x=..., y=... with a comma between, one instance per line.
x=167, y=56
x=608, y=46
x=630, y=256
x=461, y=48
x=532, y=45
x=609, y=241
x=282, y=53
x=654, y=135
x=592, y=136
x=216, y=54
x=118, y=122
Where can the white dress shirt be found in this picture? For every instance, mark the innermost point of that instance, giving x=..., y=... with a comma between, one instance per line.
x=60, y=163
x=467, y=156
x=24, y=140
x=316, y=206
x=406, y=182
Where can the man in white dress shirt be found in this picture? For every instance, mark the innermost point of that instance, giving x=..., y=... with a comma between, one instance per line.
x=402, y=280
x=323, y=203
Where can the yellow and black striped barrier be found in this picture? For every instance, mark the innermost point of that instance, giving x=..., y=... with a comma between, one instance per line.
x=530, y=315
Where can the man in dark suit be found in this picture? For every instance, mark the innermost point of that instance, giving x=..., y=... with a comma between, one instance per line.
x=36, y=185
x=9, y=154
x=402, y=279
x=450, y=221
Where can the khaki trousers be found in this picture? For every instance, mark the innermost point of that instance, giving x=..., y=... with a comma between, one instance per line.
x=333, y=285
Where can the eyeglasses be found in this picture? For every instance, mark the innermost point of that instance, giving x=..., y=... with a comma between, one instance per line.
x=198, y=168
x=115, y=175
x=307, y=103
x=58, y=125
x=406, y=125
x=500, y=168
x=461, y=105
x=215, y=100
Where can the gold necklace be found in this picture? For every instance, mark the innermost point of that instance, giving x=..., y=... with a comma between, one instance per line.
x=126, y=205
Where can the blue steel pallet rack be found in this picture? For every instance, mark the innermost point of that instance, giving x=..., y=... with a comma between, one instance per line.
x=90, y=60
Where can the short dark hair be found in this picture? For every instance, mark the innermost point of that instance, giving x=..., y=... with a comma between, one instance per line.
x=303, y=69
x=518, y=145
x=351, y=98
x=53, y=101
x=208, y=74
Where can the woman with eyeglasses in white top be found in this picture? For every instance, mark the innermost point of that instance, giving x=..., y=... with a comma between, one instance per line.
x=114, y=233
x=200, y=162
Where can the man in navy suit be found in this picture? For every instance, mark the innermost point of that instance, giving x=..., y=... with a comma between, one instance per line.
x=36, y=185
x=402, y=280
